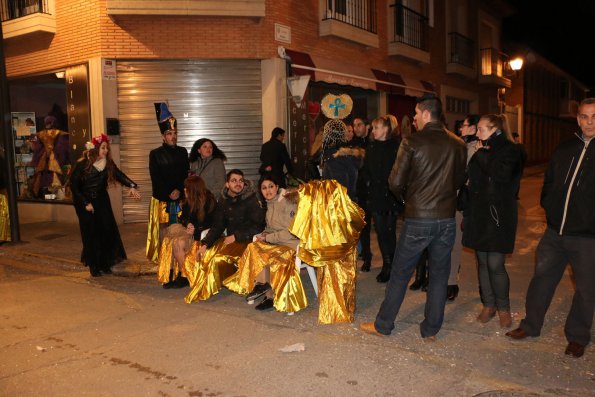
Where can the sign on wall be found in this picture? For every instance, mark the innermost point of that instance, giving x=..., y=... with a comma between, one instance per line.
x=77, y=103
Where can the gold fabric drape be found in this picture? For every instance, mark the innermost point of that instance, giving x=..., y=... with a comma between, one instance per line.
x=217, y=264
x=157, y=215
x=4, y=218
x=328, y=225
x=48, y=159
x=289, y=295
x=166, y=259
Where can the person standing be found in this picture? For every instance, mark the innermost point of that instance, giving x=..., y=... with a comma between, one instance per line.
x=567, y=197
x=274, y=156
x=206, y=160
x=382, y=204
x=168, y=167
x=360, y=139
x=102, y=244
x=426, y=175
x=490, y=220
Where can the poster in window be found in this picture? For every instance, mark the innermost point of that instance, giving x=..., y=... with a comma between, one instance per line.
x=23, y=124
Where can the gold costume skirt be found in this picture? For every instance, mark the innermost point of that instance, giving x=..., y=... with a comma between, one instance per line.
x=4, y=218
x=285, y=276
x=328, y=225
x=173, y=234
x=217, y=264
x=157, y=215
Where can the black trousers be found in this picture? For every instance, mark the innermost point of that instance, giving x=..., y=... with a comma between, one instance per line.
x=554, y=252
x=385, y=224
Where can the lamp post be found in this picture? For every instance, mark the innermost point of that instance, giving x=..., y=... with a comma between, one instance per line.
x=7, y=142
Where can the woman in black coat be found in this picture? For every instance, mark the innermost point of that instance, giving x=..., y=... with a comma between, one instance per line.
x=102, y=245
x=490, y=221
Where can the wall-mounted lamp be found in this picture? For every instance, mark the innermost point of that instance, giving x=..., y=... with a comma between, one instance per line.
x=516, y=64
x=60, y=75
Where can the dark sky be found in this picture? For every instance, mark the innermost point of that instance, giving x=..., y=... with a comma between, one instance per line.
x=563, y=32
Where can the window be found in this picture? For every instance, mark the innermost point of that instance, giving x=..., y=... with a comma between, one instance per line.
x=457, y=105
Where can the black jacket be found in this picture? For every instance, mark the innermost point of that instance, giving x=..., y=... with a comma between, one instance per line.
x=342, y=165
x=429, y=169
x=87, y=186
x=188, y=217
x=490, y=220
x=168, y=166
x=568, y=172
x=274, y=154
x=241, y=215
x=380, y=157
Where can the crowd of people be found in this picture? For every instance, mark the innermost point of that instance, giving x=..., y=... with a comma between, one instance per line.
x=209, y=228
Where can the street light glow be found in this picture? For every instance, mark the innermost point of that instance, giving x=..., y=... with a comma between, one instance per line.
x=516, y=63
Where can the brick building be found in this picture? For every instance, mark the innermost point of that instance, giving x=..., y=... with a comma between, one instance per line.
x=224, y=68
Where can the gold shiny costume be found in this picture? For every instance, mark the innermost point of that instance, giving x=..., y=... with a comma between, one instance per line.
x=328, y=225
x=48, y=160
x=217, y=264
x=157, y=215
x=166, y=258
x=4, y=218
x=285, y=277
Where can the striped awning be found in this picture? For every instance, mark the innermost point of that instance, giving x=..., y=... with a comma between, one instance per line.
x=334, y=72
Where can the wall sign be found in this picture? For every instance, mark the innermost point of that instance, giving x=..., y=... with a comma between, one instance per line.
x=77, y=103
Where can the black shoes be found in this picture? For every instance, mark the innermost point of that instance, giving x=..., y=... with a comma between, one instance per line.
x=180, y=282
x=452, y=291
x=266, y=304
x=384, y=275
x=258, y=291
x=575, y=349
x=366, y=266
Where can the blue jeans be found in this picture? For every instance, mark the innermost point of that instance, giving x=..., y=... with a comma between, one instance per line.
x=438, y=236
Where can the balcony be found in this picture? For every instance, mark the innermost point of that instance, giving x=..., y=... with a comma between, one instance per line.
x=27, y=17
x=493, y=67
x=410, y=34
x=353, y=20
x=224, y=8
x=461, y=58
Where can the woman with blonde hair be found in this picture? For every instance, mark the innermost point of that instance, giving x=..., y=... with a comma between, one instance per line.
x=490, y=220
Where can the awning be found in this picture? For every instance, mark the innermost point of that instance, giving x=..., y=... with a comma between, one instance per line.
x=334, y=72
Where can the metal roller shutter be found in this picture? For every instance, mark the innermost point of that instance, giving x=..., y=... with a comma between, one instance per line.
x=216, y=99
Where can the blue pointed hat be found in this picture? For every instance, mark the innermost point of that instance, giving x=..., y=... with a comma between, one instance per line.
x=165, y=119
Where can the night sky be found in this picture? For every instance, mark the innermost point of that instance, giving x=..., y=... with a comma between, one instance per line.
x=562, y=32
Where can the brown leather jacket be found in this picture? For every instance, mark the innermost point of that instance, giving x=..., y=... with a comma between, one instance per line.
x=429, y=169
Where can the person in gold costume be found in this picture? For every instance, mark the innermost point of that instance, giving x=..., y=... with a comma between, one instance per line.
x=270, y=259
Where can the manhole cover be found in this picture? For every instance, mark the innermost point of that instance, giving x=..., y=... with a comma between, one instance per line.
x=51, y=236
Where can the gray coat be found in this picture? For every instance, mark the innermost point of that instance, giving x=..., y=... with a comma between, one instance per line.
x=212, y=172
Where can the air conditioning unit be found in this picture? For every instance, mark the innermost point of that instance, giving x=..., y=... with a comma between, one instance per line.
x=568, y=108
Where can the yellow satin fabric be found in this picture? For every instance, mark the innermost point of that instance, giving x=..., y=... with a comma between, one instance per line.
x=48, y=159
x=289, y=295
x=157, y=215
x=328, y=225
x=217, y=264
x=4, y=218
x=166, y=260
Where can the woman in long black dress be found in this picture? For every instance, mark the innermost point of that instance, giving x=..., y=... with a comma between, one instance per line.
x=102, y=245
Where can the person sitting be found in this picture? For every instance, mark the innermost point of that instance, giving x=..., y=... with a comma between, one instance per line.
x=206, y=160
x=270, y=259
x=197, y=212
x=241, y=216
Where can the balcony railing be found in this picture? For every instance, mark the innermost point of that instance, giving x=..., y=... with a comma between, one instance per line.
x=461, y=50
x=13, y=9
x=493, y=62
x=358, y=13
x=411, y=27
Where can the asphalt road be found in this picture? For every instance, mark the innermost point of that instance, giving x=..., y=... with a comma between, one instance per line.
x=63, y=333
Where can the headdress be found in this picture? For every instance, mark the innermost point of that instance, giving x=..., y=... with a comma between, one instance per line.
x=166, y=120
x=96, y=141
x=335, y=108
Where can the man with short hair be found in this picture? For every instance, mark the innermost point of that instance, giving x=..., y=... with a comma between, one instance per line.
x=168, y=167
x=239, y=215
x=428, y=171
x=274, y=156
x=567, y=197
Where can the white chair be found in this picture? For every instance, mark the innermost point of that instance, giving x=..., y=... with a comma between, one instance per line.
x=311, y=271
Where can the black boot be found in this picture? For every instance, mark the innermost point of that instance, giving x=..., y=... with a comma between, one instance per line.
x=180, y=282
x=367, y=265
x=170, y=283
x=452, y=291
x=384, y=275
x=420, y=275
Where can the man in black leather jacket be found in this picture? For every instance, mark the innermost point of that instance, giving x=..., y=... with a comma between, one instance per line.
x=168, y=166
x=429, y=169
x=567, y=197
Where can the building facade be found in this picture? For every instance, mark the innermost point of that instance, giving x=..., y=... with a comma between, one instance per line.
x=226, y=67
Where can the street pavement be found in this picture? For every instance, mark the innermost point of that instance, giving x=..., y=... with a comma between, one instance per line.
x=64, y=333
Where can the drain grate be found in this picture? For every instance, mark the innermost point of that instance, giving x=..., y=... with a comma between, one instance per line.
x=51, y=236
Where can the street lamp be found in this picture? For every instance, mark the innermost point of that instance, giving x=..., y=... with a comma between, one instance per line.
x=516, y=64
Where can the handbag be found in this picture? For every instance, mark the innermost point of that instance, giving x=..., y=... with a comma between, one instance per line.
x=463, y=198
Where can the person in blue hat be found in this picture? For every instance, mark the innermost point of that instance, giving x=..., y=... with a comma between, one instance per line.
x=168, y=167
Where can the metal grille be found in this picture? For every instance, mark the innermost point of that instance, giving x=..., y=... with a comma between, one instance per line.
x=13, y=9
x=220, y=100
x=411, y=27
x=358, y=13
x=461, y=49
